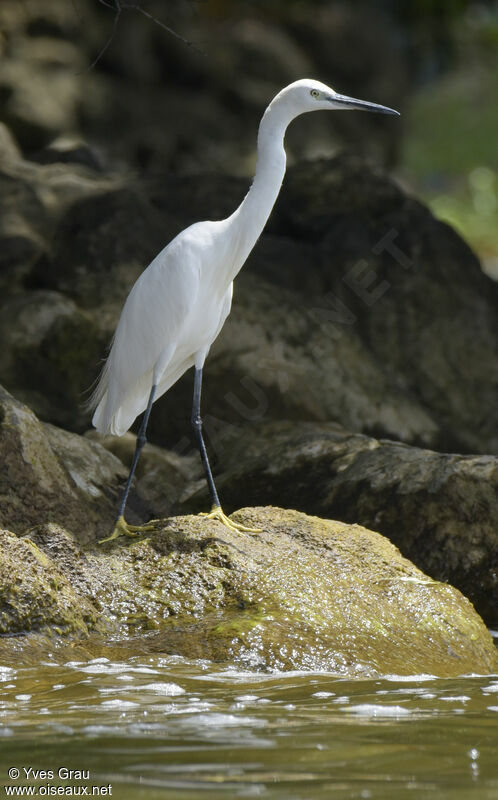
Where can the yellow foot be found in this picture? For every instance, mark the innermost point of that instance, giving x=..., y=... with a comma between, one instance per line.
x=123, y=527
x=218, y=513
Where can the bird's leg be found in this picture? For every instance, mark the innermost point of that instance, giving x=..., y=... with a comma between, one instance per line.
x=197, y=426
x=121, y=526
x=216, y=510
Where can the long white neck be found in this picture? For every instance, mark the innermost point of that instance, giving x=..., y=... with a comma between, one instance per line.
x=247, y=222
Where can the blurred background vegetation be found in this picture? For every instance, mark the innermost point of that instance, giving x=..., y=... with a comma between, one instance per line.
x=105, y=82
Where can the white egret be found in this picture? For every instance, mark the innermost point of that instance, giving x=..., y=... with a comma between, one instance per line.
x=178, y=305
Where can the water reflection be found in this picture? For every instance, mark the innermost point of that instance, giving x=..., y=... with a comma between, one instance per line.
x=154, y=726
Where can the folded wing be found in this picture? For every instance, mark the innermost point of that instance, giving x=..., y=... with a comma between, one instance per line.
x=149, y=333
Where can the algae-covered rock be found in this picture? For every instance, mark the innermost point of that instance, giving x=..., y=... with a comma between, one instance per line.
x=303, y=593
x=308, y=593
x=35, y=594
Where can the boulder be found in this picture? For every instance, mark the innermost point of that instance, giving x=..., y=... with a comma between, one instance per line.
x=440, y=509
x=102, y=244
x=410, y=286
x=23, y=220
x=274, y=360
x=50, y=347
x=303, y=593
x=33, y=197
x=50, y=475
x=163, y=478
x=36, y=595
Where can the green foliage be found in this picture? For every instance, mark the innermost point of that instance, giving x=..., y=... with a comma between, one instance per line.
x=450, y=149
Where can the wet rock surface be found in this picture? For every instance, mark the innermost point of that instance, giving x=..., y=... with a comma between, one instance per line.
x=36, y=595
x=439, y=509
x=303, y=593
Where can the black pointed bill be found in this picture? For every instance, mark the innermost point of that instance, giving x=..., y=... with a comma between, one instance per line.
x=360, y=105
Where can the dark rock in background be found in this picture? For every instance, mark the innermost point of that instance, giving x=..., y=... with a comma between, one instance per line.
x=164, y=479
x=50, y=349
x=69, y=150
x=152, y=100
x=357, y=306
x=102, y=244
x=423, y=307
x=371, y=312
x=22, y=220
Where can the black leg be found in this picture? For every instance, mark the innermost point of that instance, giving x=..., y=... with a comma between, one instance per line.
x=138, y=449
x=197, y=426
x=216, y=512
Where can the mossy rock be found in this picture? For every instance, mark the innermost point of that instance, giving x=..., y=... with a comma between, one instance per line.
x=35, y=594
x=302, y=593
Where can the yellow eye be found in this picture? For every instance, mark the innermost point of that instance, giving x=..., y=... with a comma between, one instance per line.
x=315, y=93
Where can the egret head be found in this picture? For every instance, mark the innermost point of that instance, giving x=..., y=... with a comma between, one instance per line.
x=310, y=95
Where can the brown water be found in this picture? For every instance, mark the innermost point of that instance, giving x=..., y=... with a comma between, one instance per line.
x=152, y=726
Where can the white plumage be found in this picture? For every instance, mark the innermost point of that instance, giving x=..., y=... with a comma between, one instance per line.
x=172, y=314
x=177, y=307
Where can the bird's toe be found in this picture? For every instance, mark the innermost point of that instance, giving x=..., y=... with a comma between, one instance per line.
x=218, y=513
x=123, y=528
